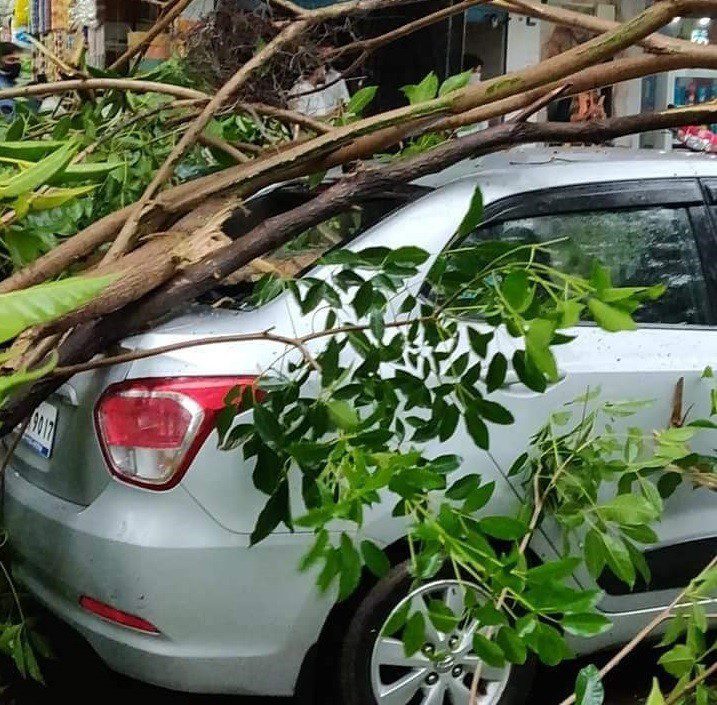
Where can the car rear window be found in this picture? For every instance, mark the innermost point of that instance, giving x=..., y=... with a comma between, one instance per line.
x=303, y=251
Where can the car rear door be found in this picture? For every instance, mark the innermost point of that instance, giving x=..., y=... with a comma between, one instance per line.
x=645, y=232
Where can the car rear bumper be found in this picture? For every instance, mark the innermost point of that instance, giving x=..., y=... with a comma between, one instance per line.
x=232, y=619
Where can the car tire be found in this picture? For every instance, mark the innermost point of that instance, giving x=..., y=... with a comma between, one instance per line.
x=364, y=628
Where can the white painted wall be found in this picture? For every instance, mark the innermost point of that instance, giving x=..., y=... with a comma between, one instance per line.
x=523, y=47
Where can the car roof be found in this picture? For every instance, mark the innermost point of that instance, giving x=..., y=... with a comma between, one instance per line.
x=533, y=168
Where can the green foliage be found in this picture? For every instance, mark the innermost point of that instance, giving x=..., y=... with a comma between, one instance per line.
x=355, y=434
x=43, y=303
x=421, y=92
x=588, y=687
x=690, y=645
x=37, y=305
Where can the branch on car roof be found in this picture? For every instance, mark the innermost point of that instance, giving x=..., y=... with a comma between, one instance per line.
x=364, y=138
x=591, y=52
x=94, y=337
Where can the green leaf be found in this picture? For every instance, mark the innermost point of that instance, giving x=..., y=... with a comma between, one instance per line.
x=471, y=220
x=275, y=511
x=496, y=372
x=655, y=697
x=39, y=173
x=361, y=99
x=316, y=551
x=267, y=425
x=518, y=464
x=488, y=651
x=414, y=634
x=454, y=83
x=54, y=197
x=476, y=427
x=496, y=413
x=678, y=661
x=488, y=616
x=595, y=553
x=537, y=347
x=589, y=689
x=628, y=509
x=462, y=487
x=548, y=644
x=363, y=299
x=423, y=91
x=517, y=290
x=442, y=617
x=553, y=570
x=478, y=498
x=397, y=620
x=43, y=303
x=448, y=423
x=618, y=559
x=350, y=567
x=94, y=172
x=503, y=527
x=641, y=533
x=527, y=372
x=609, y=317
x=29, y=150
x=585, y=624
x=378, y=326
x=511, y=645
x=375, y=559
x=342, y=414
x=407, y=256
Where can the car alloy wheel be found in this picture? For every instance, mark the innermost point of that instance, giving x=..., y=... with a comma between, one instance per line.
x=440, y=673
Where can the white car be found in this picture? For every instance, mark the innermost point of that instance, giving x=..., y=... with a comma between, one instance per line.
x=130, y=525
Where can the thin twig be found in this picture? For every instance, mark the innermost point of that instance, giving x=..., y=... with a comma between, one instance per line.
x=679, y=692
x=290, y=116
x=642, y=634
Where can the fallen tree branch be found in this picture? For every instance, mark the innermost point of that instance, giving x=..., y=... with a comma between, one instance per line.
x=94, y=337
x=89, y=84
x=126, y=237
x=582, y=56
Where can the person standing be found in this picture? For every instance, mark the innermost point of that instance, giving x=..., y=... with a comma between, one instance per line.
x=10, y=67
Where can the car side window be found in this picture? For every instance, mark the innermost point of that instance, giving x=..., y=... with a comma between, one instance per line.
x=641, y=247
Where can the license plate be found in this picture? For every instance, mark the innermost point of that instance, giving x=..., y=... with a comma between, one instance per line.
x=40, y=432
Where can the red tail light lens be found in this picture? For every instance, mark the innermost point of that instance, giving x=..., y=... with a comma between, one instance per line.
x=151, y=429
x=117, y=616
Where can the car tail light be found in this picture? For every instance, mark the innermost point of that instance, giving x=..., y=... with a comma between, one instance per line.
x=151, y=429
x=117, y=616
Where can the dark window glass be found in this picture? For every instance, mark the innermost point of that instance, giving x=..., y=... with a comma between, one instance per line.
x=301, y=253
x=640, y=246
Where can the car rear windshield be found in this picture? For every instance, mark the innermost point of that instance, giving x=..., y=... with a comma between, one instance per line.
x=303, y=251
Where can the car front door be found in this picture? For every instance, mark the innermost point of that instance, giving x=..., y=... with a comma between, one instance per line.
x=645, y=232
